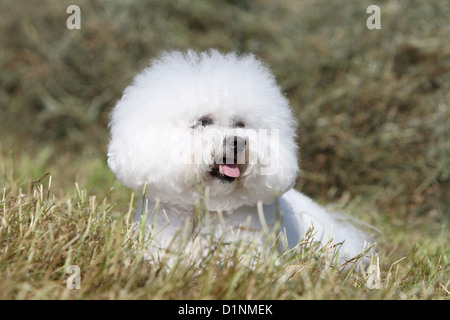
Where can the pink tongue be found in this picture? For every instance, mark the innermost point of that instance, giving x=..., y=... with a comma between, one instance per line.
x=231, y=170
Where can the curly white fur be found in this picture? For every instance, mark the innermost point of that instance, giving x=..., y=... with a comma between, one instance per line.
x=216, y=127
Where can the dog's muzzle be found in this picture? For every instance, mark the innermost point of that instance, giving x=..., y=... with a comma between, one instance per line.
x=228, y=168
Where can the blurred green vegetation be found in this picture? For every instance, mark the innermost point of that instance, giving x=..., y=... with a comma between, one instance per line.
x=373, y=105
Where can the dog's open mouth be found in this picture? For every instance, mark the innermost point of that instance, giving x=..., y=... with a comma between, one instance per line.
x=225, y=172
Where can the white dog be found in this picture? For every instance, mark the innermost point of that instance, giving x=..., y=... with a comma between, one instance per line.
x=216, y=129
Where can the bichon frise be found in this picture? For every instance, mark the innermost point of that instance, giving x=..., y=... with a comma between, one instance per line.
x=215, y=128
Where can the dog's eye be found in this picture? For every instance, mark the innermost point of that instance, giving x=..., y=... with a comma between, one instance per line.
x=203, y=122
x=239, y=124
x=206, y=121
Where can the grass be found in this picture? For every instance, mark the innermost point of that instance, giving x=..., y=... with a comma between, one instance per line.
x=373, y=108
x=43, y=232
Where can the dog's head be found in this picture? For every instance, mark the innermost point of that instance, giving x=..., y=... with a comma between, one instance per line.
x=204, y=123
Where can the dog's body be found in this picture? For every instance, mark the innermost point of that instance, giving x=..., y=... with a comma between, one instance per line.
x=287, y=220
x=216, y=129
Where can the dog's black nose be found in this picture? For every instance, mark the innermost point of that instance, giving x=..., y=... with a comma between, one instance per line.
x=234, y=147
x=235, y=142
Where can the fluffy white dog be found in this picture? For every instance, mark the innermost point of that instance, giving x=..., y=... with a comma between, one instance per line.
x=216, y=129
